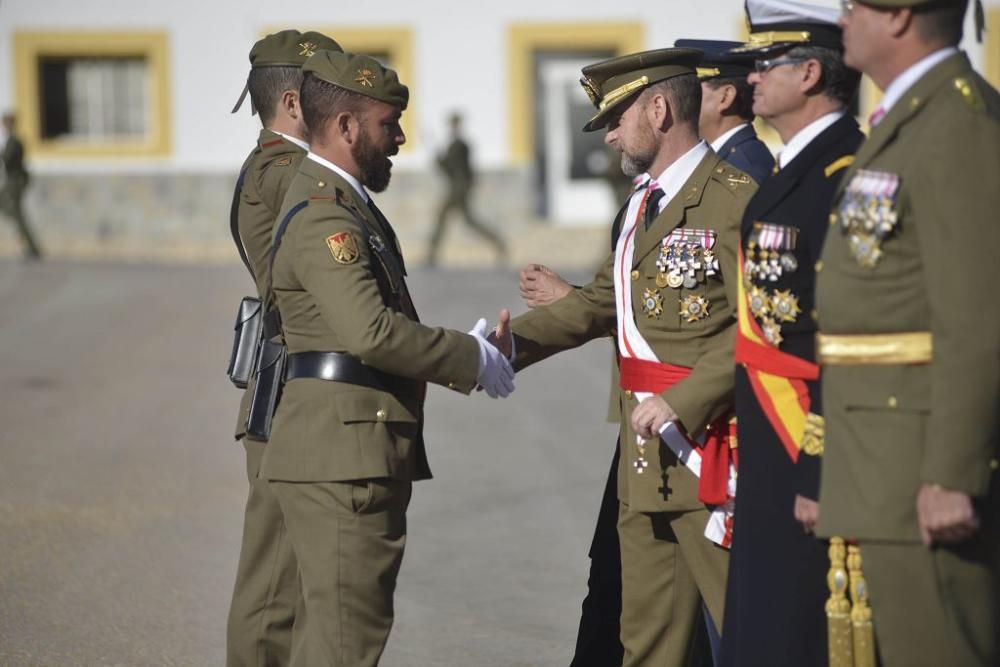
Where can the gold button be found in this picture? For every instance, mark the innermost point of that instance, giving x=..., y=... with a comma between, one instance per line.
x=994, y=465
x=452, y=385
x=321, y=184
x=893, y=402
x=833, y=219
x=815, y=315
x=635, y=275
x=819, y=266
x=381, y=415
x=628, y=393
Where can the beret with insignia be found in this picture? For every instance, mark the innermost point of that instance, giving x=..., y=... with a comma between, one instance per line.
x=360, y=74
x=287, y=48
x=609, y=83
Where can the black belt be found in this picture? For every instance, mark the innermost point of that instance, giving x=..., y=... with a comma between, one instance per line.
x=338, y=367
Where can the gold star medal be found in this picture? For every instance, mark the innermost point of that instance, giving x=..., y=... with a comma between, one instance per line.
x=365, y=77
x=785, y=305
x=865, y=248
x=694, y=308
x=343, y=247
x=652, y=303
x=760, y=304
x=772, y=331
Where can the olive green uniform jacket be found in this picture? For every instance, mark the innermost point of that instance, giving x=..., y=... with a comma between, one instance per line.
x=712, y=199
x=338, y=292
x=890, y=428
x=266, y=174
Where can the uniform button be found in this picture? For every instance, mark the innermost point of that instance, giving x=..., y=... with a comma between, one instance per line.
x=451, y=385
x=994, y=465
x=321, y=184
x=628, y=393
x=381, y=415
x=819, y=266
x=893, y=402
x=833, y=219
x=635, y=275
x=815, y=315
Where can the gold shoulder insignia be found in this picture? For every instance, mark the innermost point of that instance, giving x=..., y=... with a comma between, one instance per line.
x=283, y=162
x=838, y=164
x=343, y=247
x=734, y=180
x=969, y=96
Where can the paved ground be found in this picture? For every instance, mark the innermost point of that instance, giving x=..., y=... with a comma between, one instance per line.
x=121, y=491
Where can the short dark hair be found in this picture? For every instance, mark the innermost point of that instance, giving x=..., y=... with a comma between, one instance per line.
x=268, y=84
x=940, y=22
x=837, y=81
x=321, y=101
x=684, y=94
x=743, y=104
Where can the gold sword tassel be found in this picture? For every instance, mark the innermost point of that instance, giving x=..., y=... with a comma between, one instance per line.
x=838, y=607
x=861, y=612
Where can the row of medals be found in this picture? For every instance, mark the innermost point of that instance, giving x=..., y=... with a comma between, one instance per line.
x=771, y=307
x=682, y=264
x=867, y=220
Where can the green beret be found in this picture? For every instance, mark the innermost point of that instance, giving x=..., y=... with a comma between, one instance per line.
x=360, y=74
x=287, y=48
x=611, y=82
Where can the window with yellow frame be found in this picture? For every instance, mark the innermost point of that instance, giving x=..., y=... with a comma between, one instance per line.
x=92, y=93
x=526, y=41
x=390, y=45
x=991, y=47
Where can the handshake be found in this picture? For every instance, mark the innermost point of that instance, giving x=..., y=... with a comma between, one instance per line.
x=496, y=376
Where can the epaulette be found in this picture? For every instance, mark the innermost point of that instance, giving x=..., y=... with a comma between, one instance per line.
x=838, y=164
x=731, y=178
x=968, y=93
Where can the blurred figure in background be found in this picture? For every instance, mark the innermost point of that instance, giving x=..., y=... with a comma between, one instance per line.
x=14, y=184
x=457, y=166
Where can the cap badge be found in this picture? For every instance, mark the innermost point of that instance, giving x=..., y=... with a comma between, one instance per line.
x=591, y=88
x=366, y=78
x=308, y=49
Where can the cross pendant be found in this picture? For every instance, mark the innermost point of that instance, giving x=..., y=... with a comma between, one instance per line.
x=640, y=464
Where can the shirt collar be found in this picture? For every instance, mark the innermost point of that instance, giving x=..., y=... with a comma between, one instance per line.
x=355, y=183
x=895, y=90
x=677, y=174
x=721, y=141
x=295, y=140
x=805, y=136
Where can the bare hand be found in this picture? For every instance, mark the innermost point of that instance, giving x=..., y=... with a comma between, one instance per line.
x=650, y=416
x=501, y=337
x=945, y=516
x=540, y=286
x=806, y=513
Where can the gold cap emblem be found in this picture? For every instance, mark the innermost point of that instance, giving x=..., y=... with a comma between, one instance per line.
x=308, y=49
x=593, y=92
x=366, y=78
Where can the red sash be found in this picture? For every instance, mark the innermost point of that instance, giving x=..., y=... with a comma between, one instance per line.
x=654, y=377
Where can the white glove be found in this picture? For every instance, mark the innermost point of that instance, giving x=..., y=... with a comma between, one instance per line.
x=496, y=376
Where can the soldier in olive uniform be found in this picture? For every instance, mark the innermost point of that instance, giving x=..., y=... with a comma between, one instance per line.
x=802, y=89
x=347, y=439
x=910, y=345
x=262, y=612
x=669, y=293
x=456, y=164
x=15, y=181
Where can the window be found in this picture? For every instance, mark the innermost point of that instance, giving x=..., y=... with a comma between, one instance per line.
x=92, y=94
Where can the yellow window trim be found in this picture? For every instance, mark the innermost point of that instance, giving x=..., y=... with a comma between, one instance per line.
x=150, y=45
x=991, y=46
x=526, y=39
x=397, y=42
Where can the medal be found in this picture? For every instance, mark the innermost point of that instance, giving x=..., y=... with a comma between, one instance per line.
x=772, y=331
x=865, y=248
x=640, y=463
x=788, y=262
x=694, y=308
x=785, y=305
x=675, y=280
x=661, y=280
x=759, y=304
x=868, y=214
x=652, y=303
x=690, y=282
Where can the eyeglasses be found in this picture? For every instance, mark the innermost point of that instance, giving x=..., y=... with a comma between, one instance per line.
x=764, y=66
x=846, y=6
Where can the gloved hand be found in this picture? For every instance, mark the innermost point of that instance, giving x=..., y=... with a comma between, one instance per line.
x=495, y=376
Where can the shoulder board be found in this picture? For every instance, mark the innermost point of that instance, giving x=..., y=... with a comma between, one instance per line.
x=838, y=164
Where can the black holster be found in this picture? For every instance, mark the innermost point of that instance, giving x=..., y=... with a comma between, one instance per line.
x=246, y=341
x=267, y=391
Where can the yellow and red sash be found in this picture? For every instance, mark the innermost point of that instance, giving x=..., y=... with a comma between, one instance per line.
x=778, y=378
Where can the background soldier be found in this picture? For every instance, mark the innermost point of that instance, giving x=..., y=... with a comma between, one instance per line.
x=262, y=612
x=456, y=165
x=347, y=438
x=676, y=344
x=909, y=348
x=15, y=181
x=802, y=88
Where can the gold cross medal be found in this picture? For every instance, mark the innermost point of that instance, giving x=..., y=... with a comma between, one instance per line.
x=694, y=308
x=640, y=464
x=772, y=331
x=760, y=304
x=652, y=303
x=785, y=305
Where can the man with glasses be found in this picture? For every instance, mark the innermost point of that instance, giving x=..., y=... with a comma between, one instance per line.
x=910, y=347
x=801, y=88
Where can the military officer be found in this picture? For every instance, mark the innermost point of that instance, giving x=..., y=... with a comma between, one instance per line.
x=669, y=293
x=263, y=607
x=909, y=350
x=346, y=441
x=727, y=116
x=802, y=89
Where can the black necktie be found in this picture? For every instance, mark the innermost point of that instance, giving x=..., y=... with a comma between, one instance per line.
x=652, y=206
x=389, y=232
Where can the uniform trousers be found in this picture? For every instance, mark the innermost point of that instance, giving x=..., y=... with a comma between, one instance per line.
x=259, y=629
x=348, y=538
x=668, y=568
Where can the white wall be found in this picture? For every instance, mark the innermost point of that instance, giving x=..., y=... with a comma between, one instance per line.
x=459, y=60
